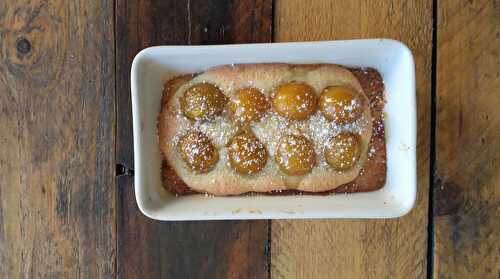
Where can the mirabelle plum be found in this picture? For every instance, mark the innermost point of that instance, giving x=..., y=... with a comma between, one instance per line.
x=202, y=101
x=343, y=151
x=295, y=100
x=247, y=154
x=248, y=104
x=295, y=155
x=198, y=152
x=340, y=104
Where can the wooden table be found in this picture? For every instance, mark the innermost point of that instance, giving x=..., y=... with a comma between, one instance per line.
x=65, y=127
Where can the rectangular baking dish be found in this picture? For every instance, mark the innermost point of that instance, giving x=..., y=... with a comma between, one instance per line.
x=155, y=65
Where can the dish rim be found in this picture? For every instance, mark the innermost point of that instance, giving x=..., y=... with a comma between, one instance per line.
x=135, y=88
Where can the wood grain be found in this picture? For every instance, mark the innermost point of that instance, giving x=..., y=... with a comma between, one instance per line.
x=151, y=249
x=369, y=248
x=57, y=120
x=467, y=190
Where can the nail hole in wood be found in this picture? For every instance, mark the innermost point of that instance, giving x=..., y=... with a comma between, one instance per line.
x=123, y=170
x=23, y=46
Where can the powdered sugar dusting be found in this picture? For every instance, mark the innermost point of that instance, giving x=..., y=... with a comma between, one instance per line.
x=221, y=130
x=272, y=127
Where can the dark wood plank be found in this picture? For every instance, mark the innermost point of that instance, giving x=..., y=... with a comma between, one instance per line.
x=467, y=189
x=57, y=195
x=151, y=249
x=370, y=248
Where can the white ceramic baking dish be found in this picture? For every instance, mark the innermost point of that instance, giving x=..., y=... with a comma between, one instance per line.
x=153, y=66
